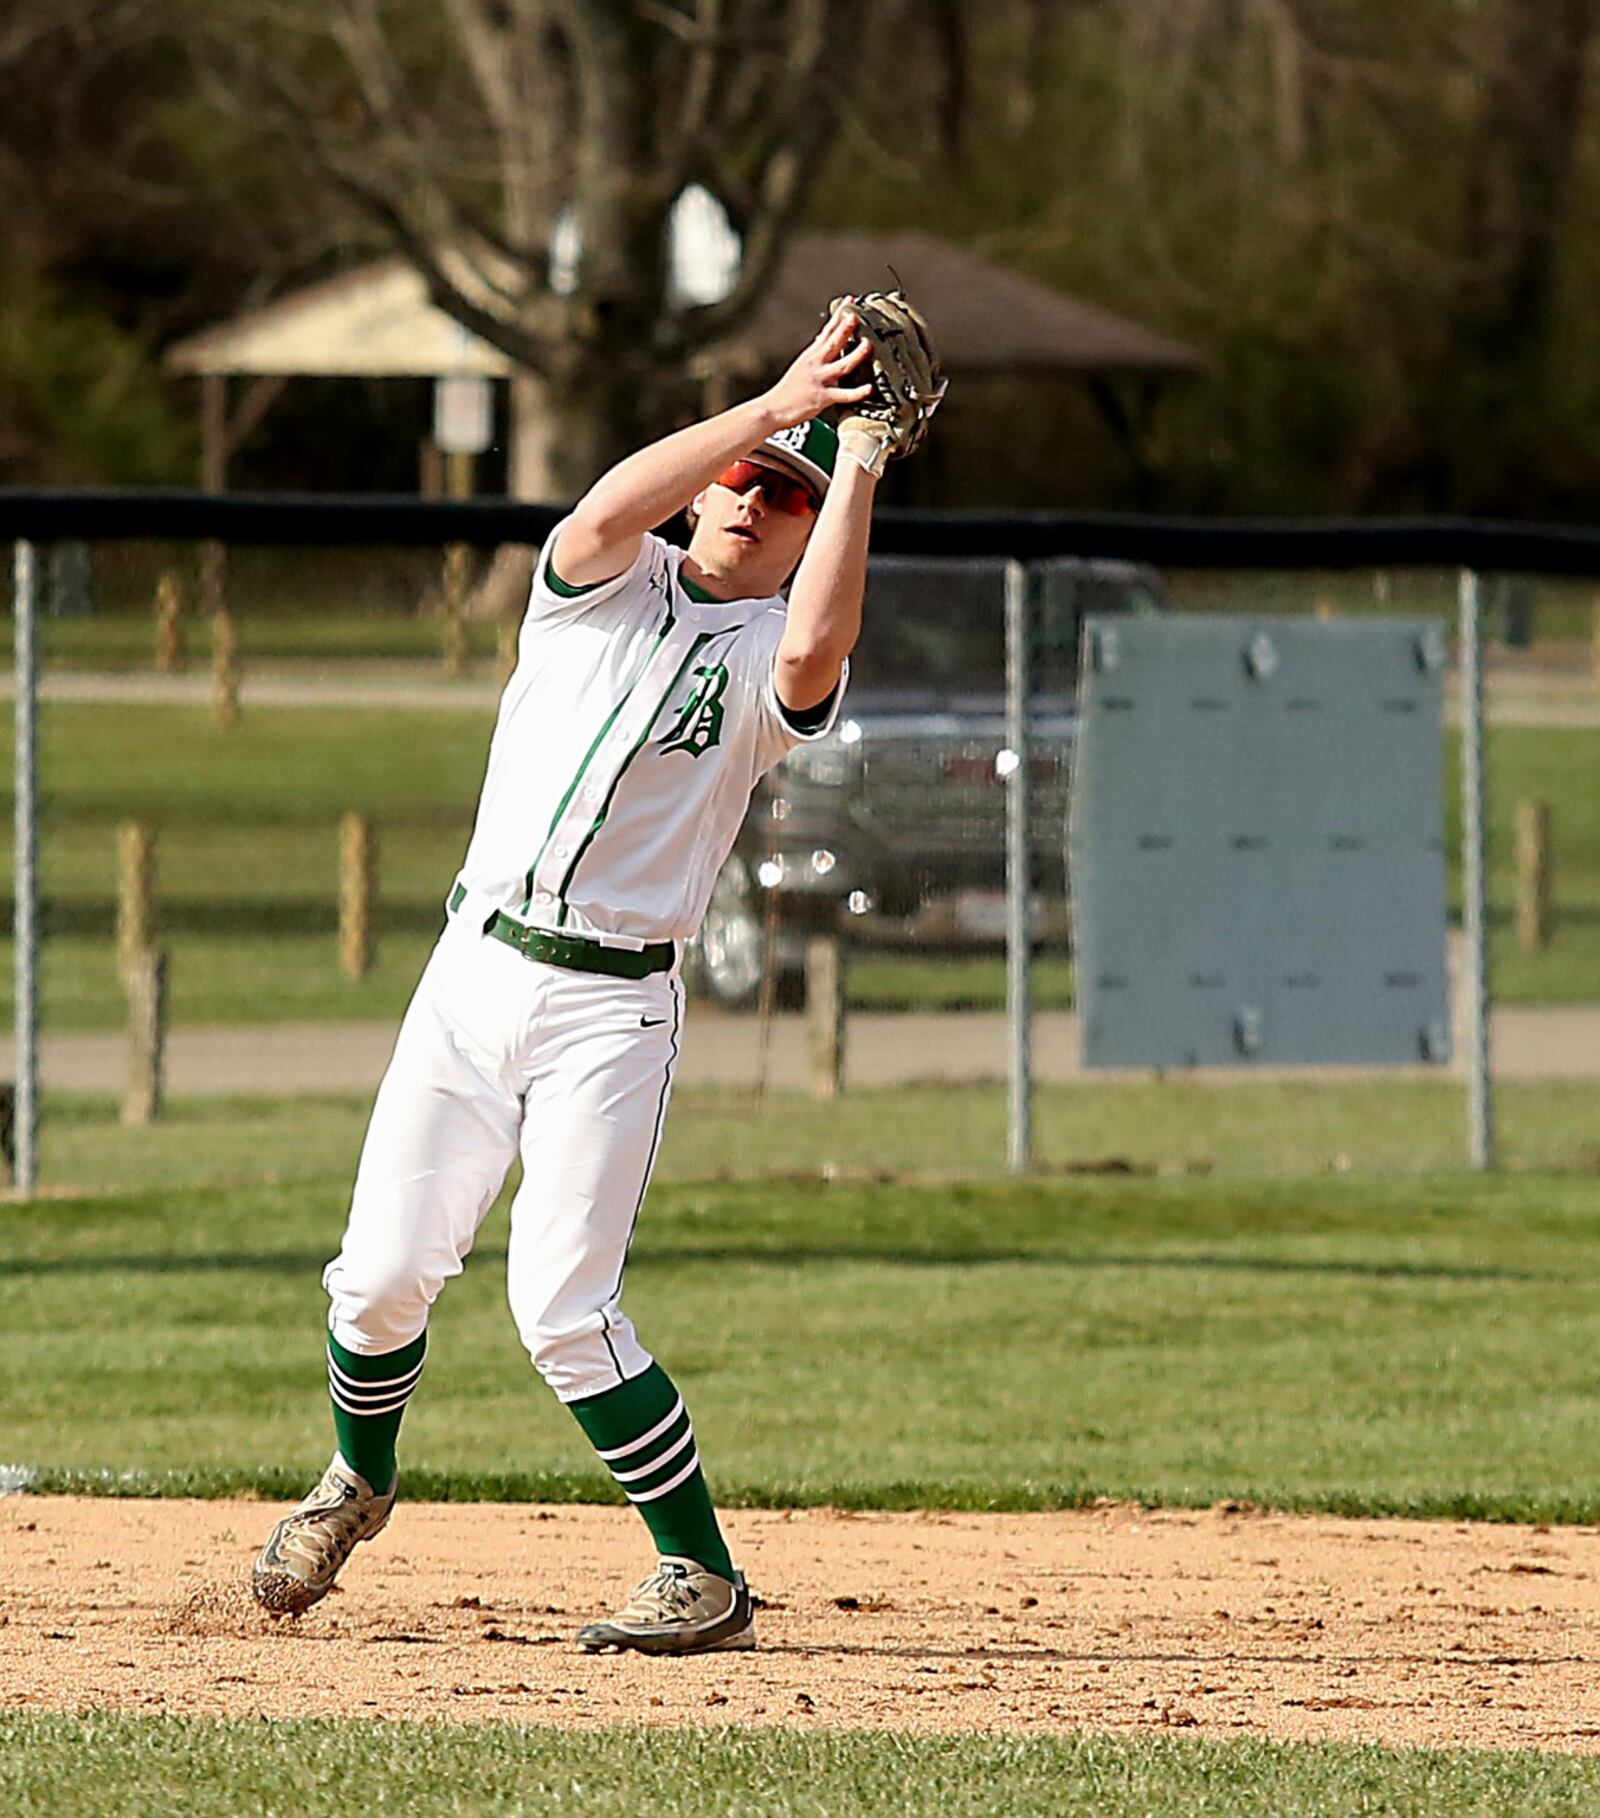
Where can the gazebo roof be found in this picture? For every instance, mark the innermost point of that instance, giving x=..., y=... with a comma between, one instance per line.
x=377, y=320
x=374, y=321
x=987, y=319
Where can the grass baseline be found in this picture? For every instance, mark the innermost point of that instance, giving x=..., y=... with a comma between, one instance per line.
x=276, y=1484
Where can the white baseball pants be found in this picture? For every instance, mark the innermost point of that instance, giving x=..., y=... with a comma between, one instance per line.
x=499, y=1054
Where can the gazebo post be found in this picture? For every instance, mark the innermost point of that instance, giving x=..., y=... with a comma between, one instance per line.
x=214, y=432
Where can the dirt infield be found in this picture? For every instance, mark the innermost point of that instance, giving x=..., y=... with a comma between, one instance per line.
x=1222, y=1623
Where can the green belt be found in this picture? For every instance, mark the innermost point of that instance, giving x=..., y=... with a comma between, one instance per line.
x=572, y=950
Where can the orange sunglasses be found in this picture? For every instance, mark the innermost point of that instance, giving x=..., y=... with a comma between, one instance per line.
x=782, y=492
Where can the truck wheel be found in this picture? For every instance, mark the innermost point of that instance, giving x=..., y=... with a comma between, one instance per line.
x=732, y=938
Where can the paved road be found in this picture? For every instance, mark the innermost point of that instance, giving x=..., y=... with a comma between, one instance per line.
x=1566, y=698
x=1557, y=1042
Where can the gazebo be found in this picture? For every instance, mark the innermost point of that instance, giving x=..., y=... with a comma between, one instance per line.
x=377, y=320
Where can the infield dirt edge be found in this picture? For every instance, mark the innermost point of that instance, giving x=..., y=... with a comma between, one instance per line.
x=1118, y=1619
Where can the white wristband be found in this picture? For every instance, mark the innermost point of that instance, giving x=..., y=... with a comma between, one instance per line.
x=867, y=450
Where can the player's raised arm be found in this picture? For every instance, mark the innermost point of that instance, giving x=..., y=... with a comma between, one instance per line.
x=601, y=538
x=824, y=617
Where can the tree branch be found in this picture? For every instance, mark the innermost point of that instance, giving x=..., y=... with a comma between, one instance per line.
x=483, y=44
x=815, y=82
x=525, y=344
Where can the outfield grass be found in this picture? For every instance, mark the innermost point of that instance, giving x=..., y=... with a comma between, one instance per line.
x=1422, y=1346
x=248, y=824
x=949, y=981
x=930, y=1132
x=1563, y=610
x=111, y=1765
x=280, y=961
x=125, y=644
x=1562, y=769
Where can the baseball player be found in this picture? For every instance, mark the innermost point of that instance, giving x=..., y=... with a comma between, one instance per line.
x=653, y=687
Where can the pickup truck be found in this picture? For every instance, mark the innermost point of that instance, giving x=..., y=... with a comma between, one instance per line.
x=893, y=827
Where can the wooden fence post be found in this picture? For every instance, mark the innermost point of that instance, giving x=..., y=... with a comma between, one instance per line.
x=136, y=892
x=146, y=981
x=213, y=576
x=1533, y=876
x=358, y=889
x=8, y=1133
x=225, y=669
x=457, y=562
x=171, y=656
x=825, y=1014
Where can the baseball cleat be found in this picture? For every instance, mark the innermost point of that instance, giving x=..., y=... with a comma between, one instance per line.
x=305, y=1551
x=681, y=1608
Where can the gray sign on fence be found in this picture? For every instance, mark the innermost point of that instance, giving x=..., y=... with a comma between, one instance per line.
x=1256, y=854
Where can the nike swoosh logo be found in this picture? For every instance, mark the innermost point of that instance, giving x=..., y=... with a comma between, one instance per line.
x=651, y=1022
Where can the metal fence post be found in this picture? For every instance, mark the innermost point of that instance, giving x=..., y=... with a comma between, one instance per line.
x=1480, y=1099
x=1019, y=1098
x=26, y=1119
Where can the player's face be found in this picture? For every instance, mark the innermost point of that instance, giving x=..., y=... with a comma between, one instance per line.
x=752, y=527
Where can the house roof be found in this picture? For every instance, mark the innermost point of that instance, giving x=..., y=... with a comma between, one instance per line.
x=377, y=320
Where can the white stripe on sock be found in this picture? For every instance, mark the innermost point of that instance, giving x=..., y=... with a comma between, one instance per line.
x=382, y=1391
x=656, y=1464
x=385, y=1406
x=376, y=1385
x=672, y=1483
x=369, y=1397
x=644, y=1439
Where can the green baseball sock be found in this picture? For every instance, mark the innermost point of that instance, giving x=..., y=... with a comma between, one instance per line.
x=369, y=1399
x=642, y=1433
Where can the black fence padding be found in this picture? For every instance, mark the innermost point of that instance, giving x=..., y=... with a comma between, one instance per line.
x=1262, y=543
x=304, y=519
x=279, y=519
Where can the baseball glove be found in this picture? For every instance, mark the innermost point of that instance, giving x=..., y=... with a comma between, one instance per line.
x=907, y=382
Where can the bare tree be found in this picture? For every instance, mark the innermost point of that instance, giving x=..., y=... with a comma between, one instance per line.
x=85, y=186
x=1521, y=171
x=477, y=136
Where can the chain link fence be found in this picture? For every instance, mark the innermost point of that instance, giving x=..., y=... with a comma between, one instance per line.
x=300, y=733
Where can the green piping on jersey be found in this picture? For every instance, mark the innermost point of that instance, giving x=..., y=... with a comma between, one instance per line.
x=568, y=590
x=588, y=757
x=622, y=769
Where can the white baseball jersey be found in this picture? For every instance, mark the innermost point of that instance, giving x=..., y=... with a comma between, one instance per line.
x=635, y=726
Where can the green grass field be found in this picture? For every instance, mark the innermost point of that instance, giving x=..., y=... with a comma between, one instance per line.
x=125, y=643
x=938, y=1133
x=248, y=866
x=1563, y=610
x=1166, y=1330
x=105, y=1765
x=1167, y=1339
x=376, y=601
x=1381, y=1343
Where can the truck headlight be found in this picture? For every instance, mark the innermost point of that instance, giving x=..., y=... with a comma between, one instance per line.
x=828, y=765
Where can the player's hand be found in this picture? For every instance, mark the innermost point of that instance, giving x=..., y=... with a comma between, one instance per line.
x=821, y=376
